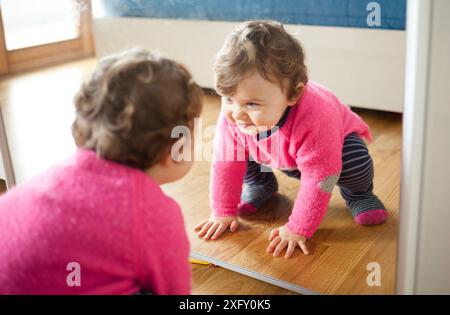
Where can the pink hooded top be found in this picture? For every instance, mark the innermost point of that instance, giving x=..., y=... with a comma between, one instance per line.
x=114, y=221
x=310, y=140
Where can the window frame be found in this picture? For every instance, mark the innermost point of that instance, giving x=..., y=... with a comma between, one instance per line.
x=34, y=57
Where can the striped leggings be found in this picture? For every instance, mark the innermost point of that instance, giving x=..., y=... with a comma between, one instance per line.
x=355, y=181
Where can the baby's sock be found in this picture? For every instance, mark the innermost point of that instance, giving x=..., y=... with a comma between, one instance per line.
x=368, y=211
x=256, y=194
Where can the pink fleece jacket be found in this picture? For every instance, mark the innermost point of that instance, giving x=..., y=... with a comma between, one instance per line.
x=113, y=220
x=310, y=140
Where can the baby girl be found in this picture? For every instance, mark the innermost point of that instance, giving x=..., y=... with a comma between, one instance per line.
x=98, y=222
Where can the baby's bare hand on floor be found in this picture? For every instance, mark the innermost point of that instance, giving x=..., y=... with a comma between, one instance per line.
x=281, y=239
x=213, y=227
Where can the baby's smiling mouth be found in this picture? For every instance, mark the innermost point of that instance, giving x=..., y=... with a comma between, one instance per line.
x=248, y=128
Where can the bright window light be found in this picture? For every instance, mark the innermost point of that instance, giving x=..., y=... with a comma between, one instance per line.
x=30, y=23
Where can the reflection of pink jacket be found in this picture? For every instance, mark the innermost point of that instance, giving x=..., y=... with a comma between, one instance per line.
x=310, y=140
x=113, y=220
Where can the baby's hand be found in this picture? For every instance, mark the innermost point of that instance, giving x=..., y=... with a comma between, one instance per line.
x=282, y=237
x=215, y=226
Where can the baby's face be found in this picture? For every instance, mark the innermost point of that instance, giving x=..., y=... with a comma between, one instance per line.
x=257, y=105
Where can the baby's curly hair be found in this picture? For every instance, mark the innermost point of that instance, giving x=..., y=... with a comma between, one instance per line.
x=127, y=109
x=264, y=46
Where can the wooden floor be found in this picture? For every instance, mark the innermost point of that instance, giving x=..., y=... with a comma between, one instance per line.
x=38, y=112
x=2, y=186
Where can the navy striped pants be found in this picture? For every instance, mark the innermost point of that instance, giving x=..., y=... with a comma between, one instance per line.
x=355, y=181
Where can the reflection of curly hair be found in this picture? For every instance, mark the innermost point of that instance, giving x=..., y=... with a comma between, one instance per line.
x=127, y=109
x=263, y=46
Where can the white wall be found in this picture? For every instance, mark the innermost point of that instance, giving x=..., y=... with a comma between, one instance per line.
x=424, y=243
x=365, y=67
x=433, y=265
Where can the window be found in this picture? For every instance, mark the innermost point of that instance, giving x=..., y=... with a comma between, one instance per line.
x=44, y=32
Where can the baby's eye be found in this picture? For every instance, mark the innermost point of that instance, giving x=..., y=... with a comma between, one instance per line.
x=252, y=105
x=229, y=100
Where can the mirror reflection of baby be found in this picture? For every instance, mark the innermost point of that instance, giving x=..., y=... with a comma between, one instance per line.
x=103, y=208
x=274, y=117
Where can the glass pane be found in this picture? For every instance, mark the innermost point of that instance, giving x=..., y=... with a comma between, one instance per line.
x=30, y=23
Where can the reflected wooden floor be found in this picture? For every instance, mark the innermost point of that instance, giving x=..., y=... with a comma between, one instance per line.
x=341, y=249
x=2, y=186
x=38, y=111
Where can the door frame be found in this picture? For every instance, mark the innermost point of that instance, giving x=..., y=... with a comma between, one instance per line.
x=423, y=101
x=416, y=69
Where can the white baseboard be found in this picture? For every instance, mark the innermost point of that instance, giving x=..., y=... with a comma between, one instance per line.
x=364, y=67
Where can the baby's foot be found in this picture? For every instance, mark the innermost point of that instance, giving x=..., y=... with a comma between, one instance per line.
x=255, y=196
x=368, y=211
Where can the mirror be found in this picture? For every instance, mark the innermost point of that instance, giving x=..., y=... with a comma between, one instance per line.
x=357, y=51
